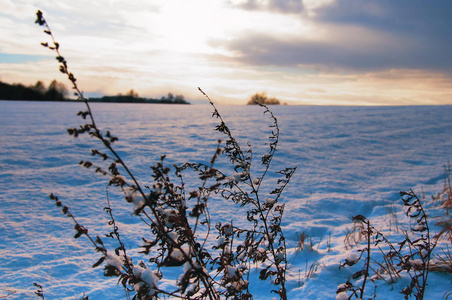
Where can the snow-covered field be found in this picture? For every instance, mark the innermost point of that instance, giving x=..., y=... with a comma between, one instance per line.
x=351, y=160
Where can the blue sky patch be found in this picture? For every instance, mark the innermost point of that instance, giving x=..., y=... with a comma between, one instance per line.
x=19, y=58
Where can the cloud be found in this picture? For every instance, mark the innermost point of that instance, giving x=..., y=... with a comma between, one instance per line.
x=412, y=17
x=281, y=6
x=342, y=54
x=357, y=36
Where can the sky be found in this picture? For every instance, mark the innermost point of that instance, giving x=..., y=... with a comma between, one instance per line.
x=323, y=52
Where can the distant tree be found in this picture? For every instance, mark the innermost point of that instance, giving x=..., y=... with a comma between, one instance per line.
x=168, y=98
x=132, y=94
x=56, y=91
x=179, y=99
x=262, y=98
x=39, y=87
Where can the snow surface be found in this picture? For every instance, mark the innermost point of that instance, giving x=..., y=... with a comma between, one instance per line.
x=351, y=160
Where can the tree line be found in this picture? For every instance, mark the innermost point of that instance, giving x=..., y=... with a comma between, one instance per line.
x=133, y=97
x=56, y=91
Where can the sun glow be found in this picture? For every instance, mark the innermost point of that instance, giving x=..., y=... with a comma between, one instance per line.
x=195, y=26
x=187, y=26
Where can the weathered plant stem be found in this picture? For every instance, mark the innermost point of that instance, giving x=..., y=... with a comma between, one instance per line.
x=165, y=212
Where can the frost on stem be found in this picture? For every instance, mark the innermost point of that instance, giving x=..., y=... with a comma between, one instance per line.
x=147, y=280
x=137, y=200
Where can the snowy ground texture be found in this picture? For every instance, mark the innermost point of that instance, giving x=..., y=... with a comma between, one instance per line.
x=351, y=160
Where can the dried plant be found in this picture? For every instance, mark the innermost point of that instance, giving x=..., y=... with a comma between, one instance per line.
x=313, y=268
x=391, y=209
x=443, y=259
x=444, y=198
x=179, y=221
x=411, y=256
x=363, y=225
x=301, y=241
x=354, y=236
x=39, y=292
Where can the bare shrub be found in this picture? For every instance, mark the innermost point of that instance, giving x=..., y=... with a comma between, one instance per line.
x=179, y=221
x=412, y=255
x=262, y=98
